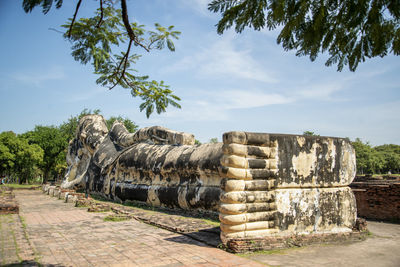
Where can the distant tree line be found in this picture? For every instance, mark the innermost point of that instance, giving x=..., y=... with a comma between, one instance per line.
x=381, y=159
x=39, y=155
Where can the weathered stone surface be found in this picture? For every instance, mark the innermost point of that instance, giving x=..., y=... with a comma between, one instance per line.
x=315, y=210
x=154, y=165
x=261, y=184
x=314, y=161
x=277, y=185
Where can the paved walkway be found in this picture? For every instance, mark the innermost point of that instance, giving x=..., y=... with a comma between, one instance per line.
x=382, y=248
x=55, y=233
x=59, y=234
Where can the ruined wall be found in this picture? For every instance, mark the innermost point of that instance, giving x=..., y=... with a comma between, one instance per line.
x=379, y=200
x=284, y=184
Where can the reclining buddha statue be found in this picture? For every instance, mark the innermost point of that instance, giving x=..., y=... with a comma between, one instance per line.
x=260, y=184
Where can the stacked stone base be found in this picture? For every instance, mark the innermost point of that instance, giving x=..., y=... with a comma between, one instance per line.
x=68, y=195
x=243, y=245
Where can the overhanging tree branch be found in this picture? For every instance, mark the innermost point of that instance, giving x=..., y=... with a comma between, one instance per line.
x=101, y=14
x=124, y=61
x=73, y=18
x=93, y=40
x=128, y=27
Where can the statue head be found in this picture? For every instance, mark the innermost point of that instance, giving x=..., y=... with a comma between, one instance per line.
x=91, y=131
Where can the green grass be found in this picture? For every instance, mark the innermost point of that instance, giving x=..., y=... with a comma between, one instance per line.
x=140, y=206
x=23, y=222
x=3, y=262
x=380, y=175
x=17, y=250
x=268, y=252
x=143, y=207
x=212, y=222
x=115, y=218
x=24, y=227
x=19, y=185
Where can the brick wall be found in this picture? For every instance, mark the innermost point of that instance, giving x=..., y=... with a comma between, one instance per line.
x=378, y=200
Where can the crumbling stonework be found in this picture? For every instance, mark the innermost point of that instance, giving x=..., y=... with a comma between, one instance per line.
x=277, y=185
x=8, y=203
x=378, y=199
x=262, y=185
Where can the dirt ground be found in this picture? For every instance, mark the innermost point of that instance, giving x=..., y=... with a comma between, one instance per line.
x=382, y=248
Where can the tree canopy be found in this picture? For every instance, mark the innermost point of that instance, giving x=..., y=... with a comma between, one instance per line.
x=310, y=133
x=349, y=31
x=379, y=159
x=97, y=40
x=18, y=158
x=54, y=144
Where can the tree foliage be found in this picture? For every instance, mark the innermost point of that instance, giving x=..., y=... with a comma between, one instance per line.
x=96, y=40
x=349, y=31
x=54, y=144
x=18, y=159
x=129, y=125
x=309, y=133
x=379, y=159
x=214, y=140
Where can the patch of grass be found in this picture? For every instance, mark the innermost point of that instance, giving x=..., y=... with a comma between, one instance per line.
x=115, y=218
x=82, y=204
x=381, y=175
x=24, y=227
x=211, y=222
x=19, y=185
x=268, y=252
x=17, y=250
x=98, y=197
x=3, y=262
x=99, y=211
x=162, y=211
x=139, y=205
x=23, y=222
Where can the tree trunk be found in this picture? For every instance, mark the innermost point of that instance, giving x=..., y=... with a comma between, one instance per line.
x=45, y=176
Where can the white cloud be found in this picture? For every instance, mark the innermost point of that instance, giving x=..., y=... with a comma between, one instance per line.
x=37, y=78
x=320, y=91
x=239, y=99
x=217, y=106
x=222, y=58
x=85, y=94
x=200, y=6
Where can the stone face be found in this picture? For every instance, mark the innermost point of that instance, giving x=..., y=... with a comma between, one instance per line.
x=262, y=185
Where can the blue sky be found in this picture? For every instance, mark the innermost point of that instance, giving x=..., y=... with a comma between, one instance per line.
x=243, y=82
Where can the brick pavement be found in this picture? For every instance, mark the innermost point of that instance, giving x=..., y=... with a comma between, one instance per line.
x=62, y=235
